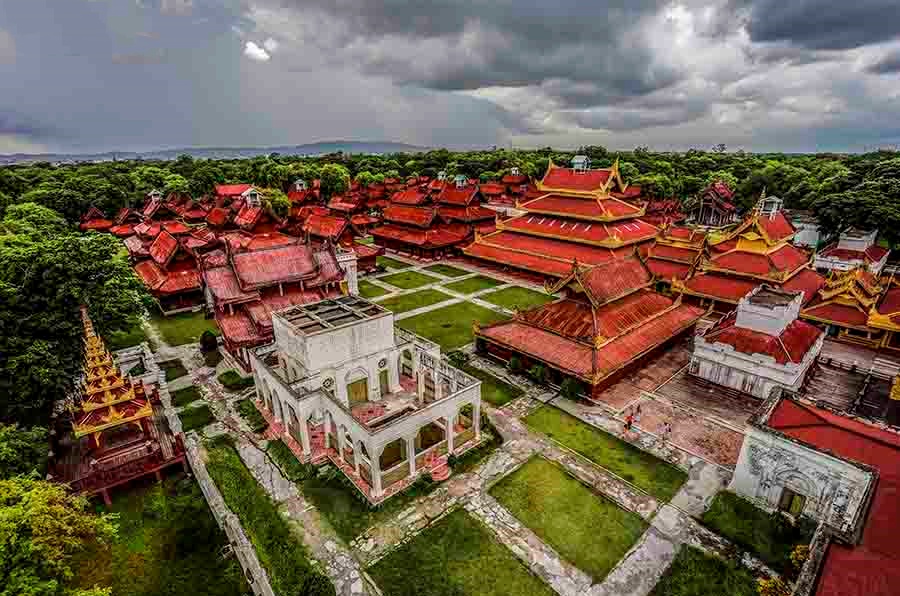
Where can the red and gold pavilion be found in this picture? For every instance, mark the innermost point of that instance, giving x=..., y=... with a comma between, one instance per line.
x=843, y=305
x=119, y=432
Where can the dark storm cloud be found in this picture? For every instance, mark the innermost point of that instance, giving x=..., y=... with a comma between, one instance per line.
x=887, y=64
x=12, y=123
x=823, y=24
x=454, y=45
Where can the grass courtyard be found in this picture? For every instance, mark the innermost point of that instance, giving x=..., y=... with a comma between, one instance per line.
x=694, y=573
x=473, y=284
x=183, y=328
x=407, y=302
x=408, y=280
x=770, y=537
x=391, y=263
x=446, y=270
x=640, y=468
x=587, y=529
x=167, y=543
x=174, y=369
x=185, y=396
x=494, y=391
x=126, y=339
x=196, y=418
x=517, y=297
x=456, y=556
x=451, y=326
x=369, y=290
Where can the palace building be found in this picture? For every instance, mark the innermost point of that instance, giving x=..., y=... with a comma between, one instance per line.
x=843, y=306
x=118, y=430
x=608, y=322
x=341, y=383
x=760, y=346
x=757, y=251
x=578, y=215
x=854, y=248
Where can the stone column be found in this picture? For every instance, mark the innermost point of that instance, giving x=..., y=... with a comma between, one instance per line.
x=375, y=468
x=340, y=436
x=304, y=434
x=357, y=455
x=449, y=432
x=411, y=454
x=476, y=419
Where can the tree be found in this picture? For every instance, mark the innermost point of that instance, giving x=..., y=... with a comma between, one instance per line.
x=656, y=185
x=204, y=179
x=22, y=450
x=148, y=178
x=571, y=388
x=335, y=179
x=365, y=178
x=723, y=176
x=628, y=171
x=43, y=529
x=177, y=184
x=277, y=201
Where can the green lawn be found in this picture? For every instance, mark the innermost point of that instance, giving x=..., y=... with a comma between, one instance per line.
x=408, y=280
x=473, y=284
x=167, y=543
x=695, y=573
x=196, y=418
x=517, y=297
x=126, y=339
x=493, y=390
x=174, y=369
x=365, y=240
x=770, y=537
x=280, y=550
x=407, y=302
x=247, y=409
x=585, y=528
x=446, y=270
x=391, y=263
x=642, y=469
x=451, y=326
x=233, y=381
x=183, y=328
x=457, y=556
x=369, y=290
x=183, y=397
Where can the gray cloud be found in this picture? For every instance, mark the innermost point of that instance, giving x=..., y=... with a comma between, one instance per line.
x=823, y=24
x=7, y=48
x=887, y=64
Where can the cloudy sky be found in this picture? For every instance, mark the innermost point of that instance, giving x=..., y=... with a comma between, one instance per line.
x=791, y=75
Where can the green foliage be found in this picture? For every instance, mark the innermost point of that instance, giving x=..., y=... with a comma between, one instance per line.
x=515, y=364
x=42, y=530
x=22, y=450
x=233, y=381
x=185, y=396
x=458, y=358
x=571, y=388
x=721, y=176
x=183, y=328
x=247, y=409
x=208, y=341
x=335, y=179
x=174, y=183
x=494, y=391
x=196, y=418
x=695, y=573
x=46, y=272
x=280, y=551
x=538, y=373
x=174, y=369
x=656, y=185
x=212, y=358
x=287, y=462
x=277, y=201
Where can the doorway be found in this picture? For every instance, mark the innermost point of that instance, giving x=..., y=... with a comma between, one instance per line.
x=358, y=392
x=383, y=383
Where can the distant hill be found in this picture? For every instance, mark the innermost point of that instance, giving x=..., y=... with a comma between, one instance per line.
x=320, y=148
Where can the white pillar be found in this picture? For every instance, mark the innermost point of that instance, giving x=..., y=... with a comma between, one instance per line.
x=449, y=432
x=340, y=436
x=304, y=435
x=327, y=426
x=375, y=466
x=357, y=455
x=411, y=454
x=476, y=419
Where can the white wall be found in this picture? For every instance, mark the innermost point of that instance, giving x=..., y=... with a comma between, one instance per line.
x=807, y=235
x=768, y=463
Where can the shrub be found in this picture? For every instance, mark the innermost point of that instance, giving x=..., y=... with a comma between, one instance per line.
x=174, y=369
x=457, y=358
x=287, y=462
x=799, y=555
x=232, y=381
x=183, y=397
x=212, y=358
x=197, y=417
x=515, y=364
x=538, y=372
x=571, y=388
x=452, y=461
x=138, y=370
x=772, y=587
x=208, y=341
x=248, y=412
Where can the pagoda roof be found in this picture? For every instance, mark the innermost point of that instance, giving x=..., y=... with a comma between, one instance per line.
x=668, y=270
x=471, y=213
x=578, y=181
x=588, y=208
x=122, y=230
x=514, y=179
x=451, y=195
x=232, y=190
x=489, y=189
x=326, y=226
x=774, y=264
x=348, y=202
x=873, y=254
x=218, y=216
x=222, y=283
x=611, y=235
x=269, y=266
x=675, y=253
x=607, y=282
x=181, y=277
x=561, y=251
x=791, y=345
x=773, y=228
x=731, y=288
x=684, y=234
x=436, y=237
x=137, y=247
x=421, y=217
x=301, y=196
x=410, y=196
x=248, y=216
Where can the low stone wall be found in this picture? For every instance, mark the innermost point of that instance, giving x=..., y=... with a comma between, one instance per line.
x=809, y=573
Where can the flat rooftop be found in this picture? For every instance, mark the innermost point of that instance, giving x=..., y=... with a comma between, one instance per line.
x=330, y=313
x=771, y=297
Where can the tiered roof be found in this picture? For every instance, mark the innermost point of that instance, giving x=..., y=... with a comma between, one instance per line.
x=610, y=319
x=756, y=251
x=675, y=253
x=846, y=299
x=108, y=398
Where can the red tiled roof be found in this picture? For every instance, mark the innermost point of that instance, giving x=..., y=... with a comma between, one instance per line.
x=327, y=268
x=194, y=212
x=683, y=233
x=163, y=248
x=152, y=205
x=843, y=314
x=629, y=231
x=633, y=191
x=673, y=253
x=266, y=267
x=248, y=216
x=214, y=258
x=238, y=328
x=148, y=228
x=364, y=251
x=791, y=346
x=344, y=202
x=514, y=179
x=873, y=254
x=136, y=246
x=614, y=279
x=720, y=286
x=568, y=179
x=807, y=281
x=122, y=215
x=151, y=274
x=410, y=196
x=421, y=217
x=467, y=214
x=245, y=241
x=582, y=207
x=557, y=249
x=873, y=566
x=300, y=196
x=439, y=236
x=223, y=285
x=218, y=216
x=777, y=226
x=491, y=188
x=122, y=230
x=451, y=195
x=890, y=302
x=668, y=270
x=232, y=190
x=182, y=276
x=96, y=224
x=174, y=227
x=560, y=352
x=720, y=190
x=788, y=258
x=520, y=260
x=361, y=219
x=325, y=226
